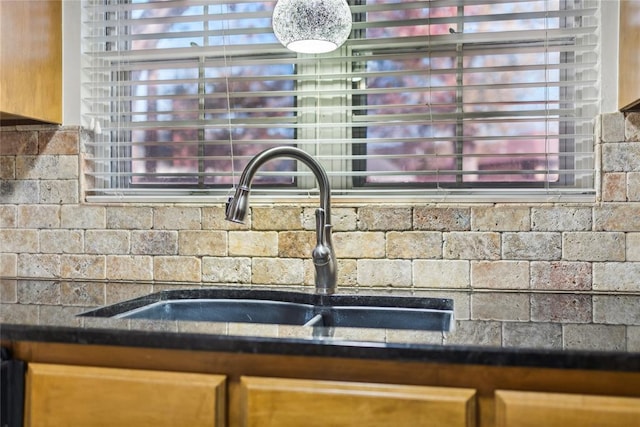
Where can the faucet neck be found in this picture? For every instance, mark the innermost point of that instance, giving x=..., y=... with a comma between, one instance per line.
x=295, y=153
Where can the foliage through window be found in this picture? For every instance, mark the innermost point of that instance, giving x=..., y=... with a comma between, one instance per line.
x=426, y=97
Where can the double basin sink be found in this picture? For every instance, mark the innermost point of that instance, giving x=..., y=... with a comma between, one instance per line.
x=286, y=308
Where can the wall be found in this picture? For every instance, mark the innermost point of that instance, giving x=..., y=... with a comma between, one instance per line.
x=521, y=251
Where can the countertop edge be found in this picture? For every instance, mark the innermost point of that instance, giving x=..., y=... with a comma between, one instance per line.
x=398, y=352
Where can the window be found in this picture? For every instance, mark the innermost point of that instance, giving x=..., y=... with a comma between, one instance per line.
x=440, y=98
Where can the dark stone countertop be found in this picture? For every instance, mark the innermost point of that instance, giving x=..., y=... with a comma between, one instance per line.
x=548, y=344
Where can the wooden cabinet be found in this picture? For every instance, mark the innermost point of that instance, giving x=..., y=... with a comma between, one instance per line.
x=534, y=409
x=30, y=61
x=629, y=56
x=64, y=395
x=276, y=402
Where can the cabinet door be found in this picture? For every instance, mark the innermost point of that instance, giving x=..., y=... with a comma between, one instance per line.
x=533, y=409
x=59, y=395
x=275, y=402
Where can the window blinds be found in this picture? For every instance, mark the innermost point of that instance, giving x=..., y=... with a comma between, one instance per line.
x=490, y=98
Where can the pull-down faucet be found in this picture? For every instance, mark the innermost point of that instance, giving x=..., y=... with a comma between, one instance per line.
x=323, y=256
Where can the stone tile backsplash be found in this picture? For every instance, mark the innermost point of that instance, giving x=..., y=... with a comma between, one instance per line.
x=508, y=262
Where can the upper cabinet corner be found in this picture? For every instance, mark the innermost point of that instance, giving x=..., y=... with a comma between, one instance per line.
x=30, y=61
x=629, y=56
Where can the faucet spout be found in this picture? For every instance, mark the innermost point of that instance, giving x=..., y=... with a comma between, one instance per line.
x=323, y=256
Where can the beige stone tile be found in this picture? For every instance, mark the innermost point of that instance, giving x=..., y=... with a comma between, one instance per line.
x=177, y=268
x=442, y=218
x=129, y=267
x=614, y=187
x=500, y=218
x=471, y=245
x=226, y=270
x=384, y=272
x=39, y=265
x=594, y=246
x=39, y=216
x=561, y=275
x=177, y=218
x=383, y=218
x=154, y=242
x=19, y=240
x=107, y=241
x=253, y=243
x=616, y=276
x=561, y=308
x=500, y=274
x=83, y=267
x=532, y=246
x=443, y=274
x=129, y=217
x=296, y=244
x=61, y=241
x=561, y=218
x=594, y=337
x=366, y=244
x=414, y=244
x=277, y=218
x=202, y=242
x=278, y=271
x=500, y=306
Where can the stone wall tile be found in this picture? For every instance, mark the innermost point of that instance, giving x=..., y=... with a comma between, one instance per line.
x=202, y=242
x=39, y=265
x=368, y=244
x=118, y=292
x=561, y=308
x=632, y=127
x=47, y=167
x=20, y=192
x=475, y=332
x=82, y=294
x=107, y=241
x=621, y=157
x=561, y=275
x=8, y=217
x=500, y=218
x=19, y=240
x=129, y=217
x=277, y=271
x=383, y=272
x=500, y=306
x=8, y=290
x=633, y=247
x=471, y=245
x=594, y=337
x=83, y=217
x=616, y=276
x=616, y=309
x=633, y=338
x=500, y=274
x=614, y=187
x=342, y=219
x=296, y=244
x=612, y=127
x=83, y=267
x=177, y=218
x=59, y=191
x=61, y=241
x=177, y=268
x=374, y=218
x=39, y=216
x=7, y=167
x=154, y=242
x=593, y=246
x=38, y=292
x=226, y=270
x=617, y=217
x=441, y=274
x=8, y=265
x=633, y=186
x=276, y=218
x=532, y=246
x=25, y=314
x=16, y=143
x=129, y=267
x=441, y=218
x=532, y=335
x=253, y=243
x=414, y=244
x=62, y=142
x=561, y=218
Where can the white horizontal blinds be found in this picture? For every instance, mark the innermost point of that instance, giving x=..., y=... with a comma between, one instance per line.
x=196, y=88
x=477, y=93
x=425, y=96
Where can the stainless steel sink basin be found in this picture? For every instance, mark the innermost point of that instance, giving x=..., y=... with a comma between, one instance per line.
x=224, y=310
x=287, y=308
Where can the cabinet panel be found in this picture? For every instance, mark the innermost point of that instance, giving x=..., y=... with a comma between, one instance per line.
x=275, y=402
x=629, y=56
x=534, y=409
x=60, y=395
x=31, y=61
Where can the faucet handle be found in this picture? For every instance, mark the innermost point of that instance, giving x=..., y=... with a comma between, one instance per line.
x=321, y=220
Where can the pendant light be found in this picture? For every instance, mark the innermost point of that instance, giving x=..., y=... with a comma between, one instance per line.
x=312, y=26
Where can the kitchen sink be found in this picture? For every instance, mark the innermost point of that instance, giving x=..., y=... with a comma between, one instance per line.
x=286, y=308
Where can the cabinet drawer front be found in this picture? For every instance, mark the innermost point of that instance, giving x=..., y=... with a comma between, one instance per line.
x=534, y=409
x=276, y=402
x=59, y=395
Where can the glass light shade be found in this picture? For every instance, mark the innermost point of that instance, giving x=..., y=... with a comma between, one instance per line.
x=312, y=26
